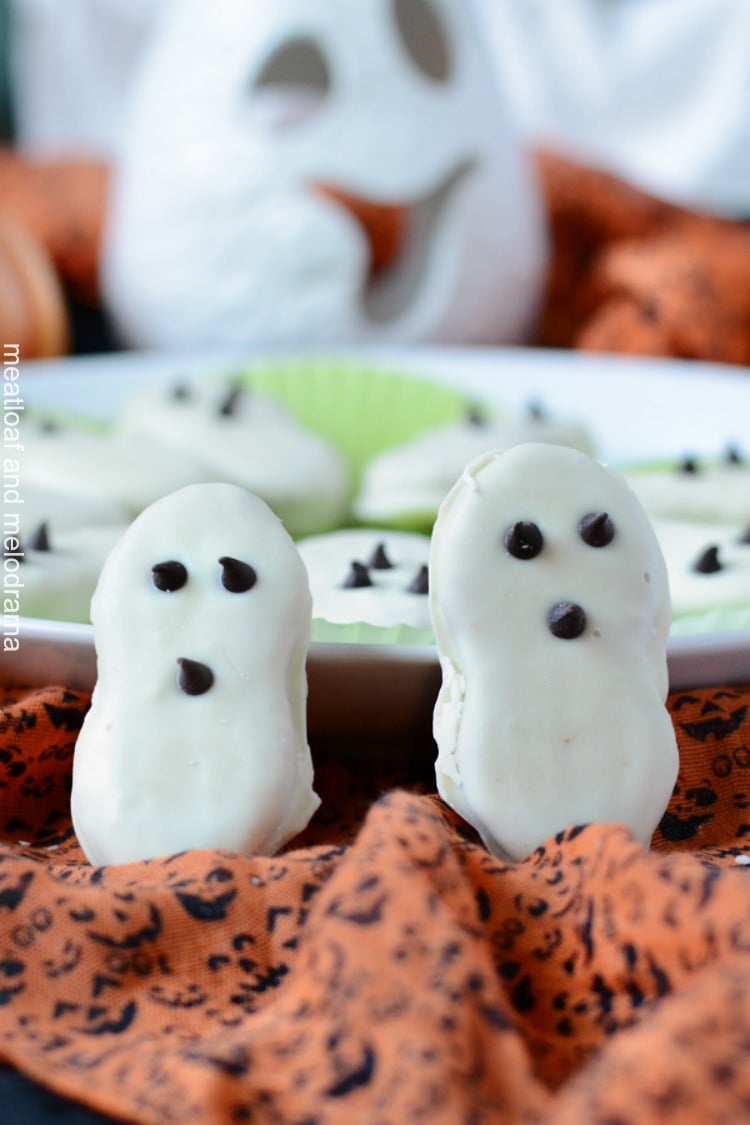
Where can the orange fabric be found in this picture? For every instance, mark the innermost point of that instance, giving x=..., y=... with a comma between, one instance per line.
x=385, y=968
x=632, y=274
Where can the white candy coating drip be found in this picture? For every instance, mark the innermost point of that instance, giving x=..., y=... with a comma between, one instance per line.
x=536, y=733
x=157, y=770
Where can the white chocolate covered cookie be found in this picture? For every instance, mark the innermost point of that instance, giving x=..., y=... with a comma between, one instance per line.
x=411, y=480
x=695, y=489
x=364, y=575
x=550, y=605
x=59, y=569
x=708, y=565
x=196, y=737
x=247, y=438
x=89, y=466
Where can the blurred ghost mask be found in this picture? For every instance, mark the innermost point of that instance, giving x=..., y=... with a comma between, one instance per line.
x=317, y=171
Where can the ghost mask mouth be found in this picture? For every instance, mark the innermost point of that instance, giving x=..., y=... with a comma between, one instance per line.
x=402, y=239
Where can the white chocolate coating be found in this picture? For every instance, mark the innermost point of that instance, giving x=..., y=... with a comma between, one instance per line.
x=388, y=600
x=157, y=770
x=58, y=584
x=683, y=543
x=258, y=445
x=535, y=732
x=714, y=493
x=90, y=466
x=65, y=510
x=414, y=478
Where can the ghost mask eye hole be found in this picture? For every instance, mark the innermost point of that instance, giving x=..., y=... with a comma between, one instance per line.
x=422, y=33
x=169, y=576
x=236, y=576
x=291, y=85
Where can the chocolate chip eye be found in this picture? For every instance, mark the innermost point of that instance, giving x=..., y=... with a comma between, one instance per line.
x=688, y=465
x=523, y=540
x=236, y=576
x=420, y=584
x=230, y=403
x=744, y=539
x=596, y=529
x=180, y=392
x=379, y=560
x=169, y=576
x=357, y=577
x=566, y=620
x=475, y=417
x=733, y=455
x=708, y=562
x=194, y=678
x=40, y=540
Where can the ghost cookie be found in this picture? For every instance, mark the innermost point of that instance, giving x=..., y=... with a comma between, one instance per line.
x=550, y=605
x=379, y=577
x=59, y=568
x=409, y=482
x=708, y=565
x=247, y=438
x=716, y=490
x=87, y=467
x=196, y=737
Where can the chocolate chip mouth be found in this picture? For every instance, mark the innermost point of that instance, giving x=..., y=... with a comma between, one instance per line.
x=388, y=293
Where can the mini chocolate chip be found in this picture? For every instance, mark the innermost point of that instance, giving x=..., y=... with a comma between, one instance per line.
x=40, y=540
x=194, y=678
x=744, y=539
x=50, y=426
x=236, y=576
x=536, y=411
x=475, y=417
x=357, y=577
x=566, y=620
x=733, y=455
x=169, y=576
x=596, y=529
x=379, y=560
x=180, y=392
x=688, y=465
x=230, y=403
x=708, y=562
x=420, y=584
x=523, y=540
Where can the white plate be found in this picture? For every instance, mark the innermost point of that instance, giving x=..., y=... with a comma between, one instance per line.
x=636, y=409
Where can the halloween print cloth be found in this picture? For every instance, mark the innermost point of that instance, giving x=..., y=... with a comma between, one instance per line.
x=384, y=967
x=632, y=274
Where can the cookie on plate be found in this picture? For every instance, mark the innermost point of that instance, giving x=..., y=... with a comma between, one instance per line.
x=59, y=568
x=90, y=467
x=708, y=565
x=406, y=484
x=245, y=437
x=376, y=576
x=711, y=490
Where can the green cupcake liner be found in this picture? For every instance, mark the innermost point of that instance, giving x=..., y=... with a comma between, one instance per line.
x=362, y=633
x=711, y=621
x=360, y=408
